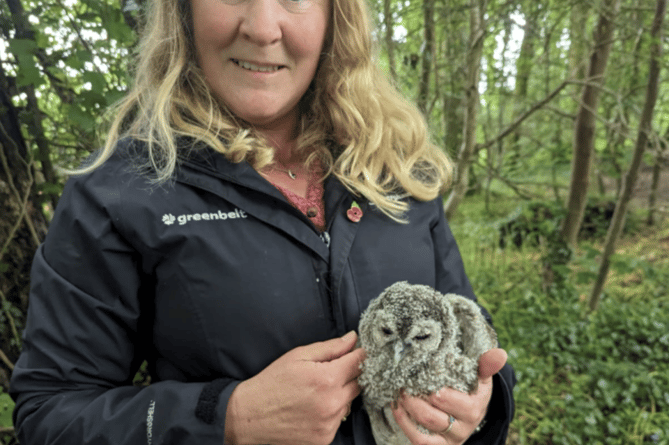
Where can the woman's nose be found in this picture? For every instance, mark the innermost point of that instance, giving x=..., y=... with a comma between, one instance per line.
x=261, y=22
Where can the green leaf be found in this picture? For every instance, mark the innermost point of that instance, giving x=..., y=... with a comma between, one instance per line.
x=113, y=96
x=585, y=277
x=90, y=99
x=51, y=189
x=97, y=80
x=81, y=117
x=22, y=47
x=24, y=50
x=84, y=55
x=623, y=265
x=76, y=60
x=119, y=30
x=28, y=73
x=6, y=408
x=591, y=253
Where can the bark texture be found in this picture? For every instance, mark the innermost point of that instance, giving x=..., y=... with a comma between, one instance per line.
x=477, y=35
x=428, y=56
x=584, y=131
x=645, y=128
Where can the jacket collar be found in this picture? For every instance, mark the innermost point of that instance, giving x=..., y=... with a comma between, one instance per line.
x=242, y=185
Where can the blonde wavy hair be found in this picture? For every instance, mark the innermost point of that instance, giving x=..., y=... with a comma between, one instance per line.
x=352, y=119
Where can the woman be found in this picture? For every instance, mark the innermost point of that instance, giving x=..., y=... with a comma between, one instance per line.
x=260, y=185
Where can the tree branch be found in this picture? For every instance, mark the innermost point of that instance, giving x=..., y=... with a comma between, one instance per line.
x=23, y=215
x=6, y=360
x=12, y=323
x=515, y=124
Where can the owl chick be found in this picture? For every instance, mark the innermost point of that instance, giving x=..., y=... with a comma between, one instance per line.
x=418, y=340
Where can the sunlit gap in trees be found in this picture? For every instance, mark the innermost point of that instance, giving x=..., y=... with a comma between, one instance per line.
x=505, y=58
x=79, y=40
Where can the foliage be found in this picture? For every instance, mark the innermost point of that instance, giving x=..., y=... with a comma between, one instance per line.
x=535, y=222
x=6, y=405
x=598, y=379
x=74, y=59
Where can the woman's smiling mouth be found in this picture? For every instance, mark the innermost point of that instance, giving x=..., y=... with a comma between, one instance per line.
x=253, y=67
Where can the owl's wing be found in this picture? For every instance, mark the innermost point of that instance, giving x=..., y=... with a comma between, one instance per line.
x=476, y=335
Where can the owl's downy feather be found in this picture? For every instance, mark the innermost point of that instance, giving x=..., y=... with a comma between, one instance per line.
x=418, y=340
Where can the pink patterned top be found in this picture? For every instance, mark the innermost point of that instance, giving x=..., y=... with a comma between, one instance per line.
x=312, y=205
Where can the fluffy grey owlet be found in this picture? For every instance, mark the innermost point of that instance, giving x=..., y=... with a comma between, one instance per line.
x=417, y=340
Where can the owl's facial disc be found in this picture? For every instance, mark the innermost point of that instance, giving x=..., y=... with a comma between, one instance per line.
x=422, y=338
x=385, y=330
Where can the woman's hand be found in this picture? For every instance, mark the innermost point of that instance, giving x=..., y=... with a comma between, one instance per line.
x=301, y=398
x=434, y=413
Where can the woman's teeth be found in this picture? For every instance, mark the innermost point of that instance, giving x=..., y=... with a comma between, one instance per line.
x=252, y=67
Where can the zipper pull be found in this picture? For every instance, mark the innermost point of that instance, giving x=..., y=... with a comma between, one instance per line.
x=325, y=237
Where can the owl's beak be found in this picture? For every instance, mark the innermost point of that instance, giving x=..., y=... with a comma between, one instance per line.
x=400, y=351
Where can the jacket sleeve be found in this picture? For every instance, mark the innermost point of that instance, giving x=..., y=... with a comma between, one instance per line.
x=86, y=335
x=451, y=277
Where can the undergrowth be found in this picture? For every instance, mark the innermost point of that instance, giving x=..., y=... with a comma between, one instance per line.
x=582, y=379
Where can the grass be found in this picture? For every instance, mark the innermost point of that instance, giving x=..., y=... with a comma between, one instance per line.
x=583, y=379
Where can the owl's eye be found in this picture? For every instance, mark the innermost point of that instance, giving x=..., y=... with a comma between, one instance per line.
x=422, y=337
x=386, y=331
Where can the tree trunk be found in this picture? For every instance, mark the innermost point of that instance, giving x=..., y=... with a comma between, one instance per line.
x=454, y=48
x=428, y=56
x=660, y=150
x=584, y=132
x=645, y=127
x=652, y=197
x=22, y=225
x=577, y=38
x=524, y=65
x=390, y=44
x=475, y=50
x=35, y=124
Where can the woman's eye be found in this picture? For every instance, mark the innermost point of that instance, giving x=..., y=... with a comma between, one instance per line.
x=422, y=337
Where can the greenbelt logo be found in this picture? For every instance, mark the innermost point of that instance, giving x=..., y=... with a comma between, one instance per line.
x=170, y=219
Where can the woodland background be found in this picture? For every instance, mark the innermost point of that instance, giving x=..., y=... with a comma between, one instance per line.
x=557, y=116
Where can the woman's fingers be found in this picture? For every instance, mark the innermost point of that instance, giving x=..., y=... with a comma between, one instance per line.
x=348, y=365
x=311, y=389
x=491, y=362
x=325, y=351
x=426, y=415
x=411, y=430
x=470, y=408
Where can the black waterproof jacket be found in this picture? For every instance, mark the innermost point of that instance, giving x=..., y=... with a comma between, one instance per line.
x=209, y=279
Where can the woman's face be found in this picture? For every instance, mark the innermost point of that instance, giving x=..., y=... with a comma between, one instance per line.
x=259, y=56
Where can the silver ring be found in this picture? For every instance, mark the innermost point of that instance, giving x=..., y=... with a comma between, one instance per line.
x=451, y=422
